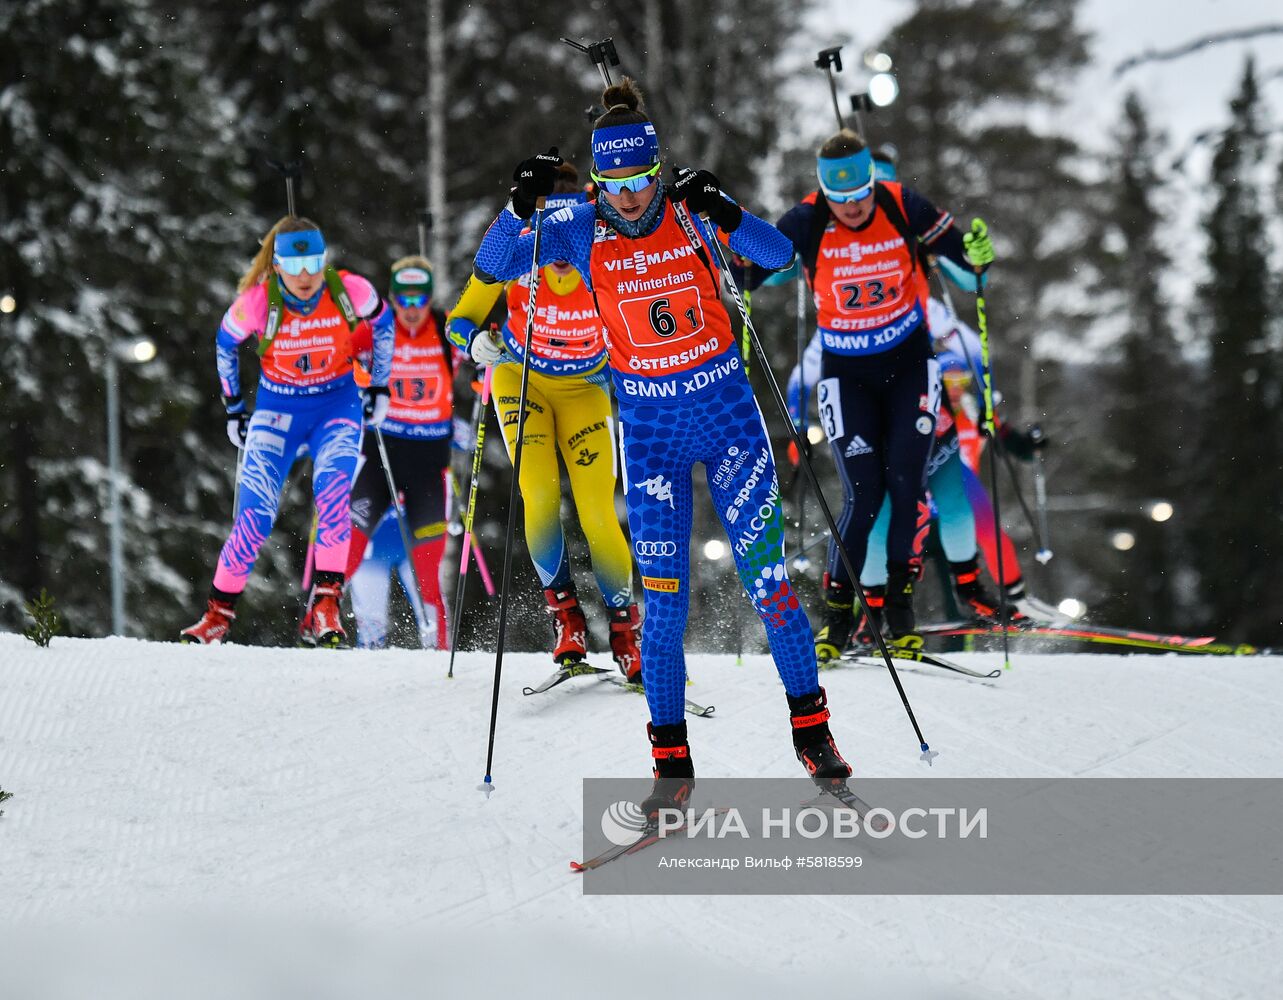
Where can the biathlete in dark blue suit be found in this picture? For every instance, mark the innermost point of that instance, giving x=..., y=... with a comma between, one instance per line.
x=683, y=398
x=863, y=244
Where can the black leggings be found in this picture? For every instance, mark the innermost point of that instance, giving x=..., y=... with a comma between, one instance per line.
x=879, y=413
x=419, y=467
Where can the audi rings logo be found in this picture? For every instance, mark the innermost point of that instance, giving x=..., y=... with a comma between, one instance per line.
x=652, y=549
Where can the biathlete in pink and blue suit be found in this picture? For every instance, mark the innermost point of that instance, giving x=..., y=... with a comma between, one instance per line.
x=303, y=313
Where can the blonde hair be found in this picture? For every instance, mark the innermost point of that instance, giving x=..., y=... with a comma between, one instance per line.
x=414, y=260
x=261, y=266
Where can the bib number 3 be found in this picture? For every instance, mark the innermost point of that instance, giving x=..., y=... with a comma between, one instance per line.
x=830, y=402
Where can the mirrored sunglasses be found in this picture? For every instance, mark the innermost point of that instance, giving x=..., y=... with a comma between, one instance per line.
x=313, y=263
x=634, y=183
x=854, y=194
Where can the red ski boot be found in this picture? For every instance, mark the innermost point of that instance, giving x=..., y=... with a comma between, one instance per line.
x=213, y=626
x=625, y=633
x=976, y=599
x=323, y=616
x=569, y=624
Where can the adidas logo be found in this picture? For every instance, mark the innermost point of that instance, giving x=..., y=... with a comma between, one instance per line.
x=858, y=446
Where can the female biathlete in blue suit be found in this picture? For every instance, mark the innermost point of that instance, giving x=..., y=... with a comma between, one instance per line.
x=863, y=244
x=683, y=398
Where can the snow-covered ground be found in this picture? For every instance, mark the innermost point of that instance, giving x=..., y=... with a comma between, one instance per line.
x=265, y=822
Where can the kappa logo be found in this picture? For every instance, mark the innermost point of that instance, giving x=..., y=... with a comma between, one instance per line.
x=858, y=446
x=586, y=457
x=659, y=488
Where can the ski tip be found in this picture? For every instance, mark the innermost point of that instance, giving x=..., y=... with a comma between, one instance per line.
x=576, y=866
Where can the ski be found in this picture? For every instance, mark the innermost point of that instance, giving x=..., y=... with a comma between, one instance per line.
x=580, y=669
x=649, y=835
x=1206, y=645
x=694, y=708
x=843, y=794
x=870, y=658
x=562, y=674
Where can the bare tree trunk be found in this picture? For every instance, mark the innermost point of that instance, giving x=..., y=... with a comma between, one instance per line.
x=435, y=175
x=712, y=146
x=1029, y=386
x=654, y=44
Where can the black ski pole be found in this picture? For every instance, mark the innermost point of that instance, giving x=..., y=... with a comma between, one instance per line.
x=505, y=582
x=479, y=432
x=805, y=464
x=1020, y=494
x=747, y=354
x=830, y=60
x=291, y=170
x=978, y=231
x=801, y=562
x=1036, y=435
x=1039, y=534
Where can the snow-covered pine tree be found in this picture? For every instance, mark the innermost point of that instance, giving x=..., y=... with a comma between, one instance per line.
x=1144, y=449
x=118, y=207
x=1239, y=503
x=977, y=130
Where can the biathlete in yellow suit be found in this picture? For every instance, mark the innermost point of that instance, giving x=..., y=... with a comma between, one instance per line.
x=567, y=408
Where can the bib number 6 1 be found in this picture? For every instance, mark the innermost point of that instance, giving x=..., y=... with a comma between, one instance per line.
x=664, y=323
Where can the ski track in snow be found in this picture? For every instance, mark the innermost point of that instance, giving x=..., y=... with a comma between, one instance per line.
x=312, y=804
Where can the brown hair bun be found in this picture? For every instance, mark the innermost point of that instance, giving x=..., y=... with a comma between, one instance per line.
x=625, y=93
